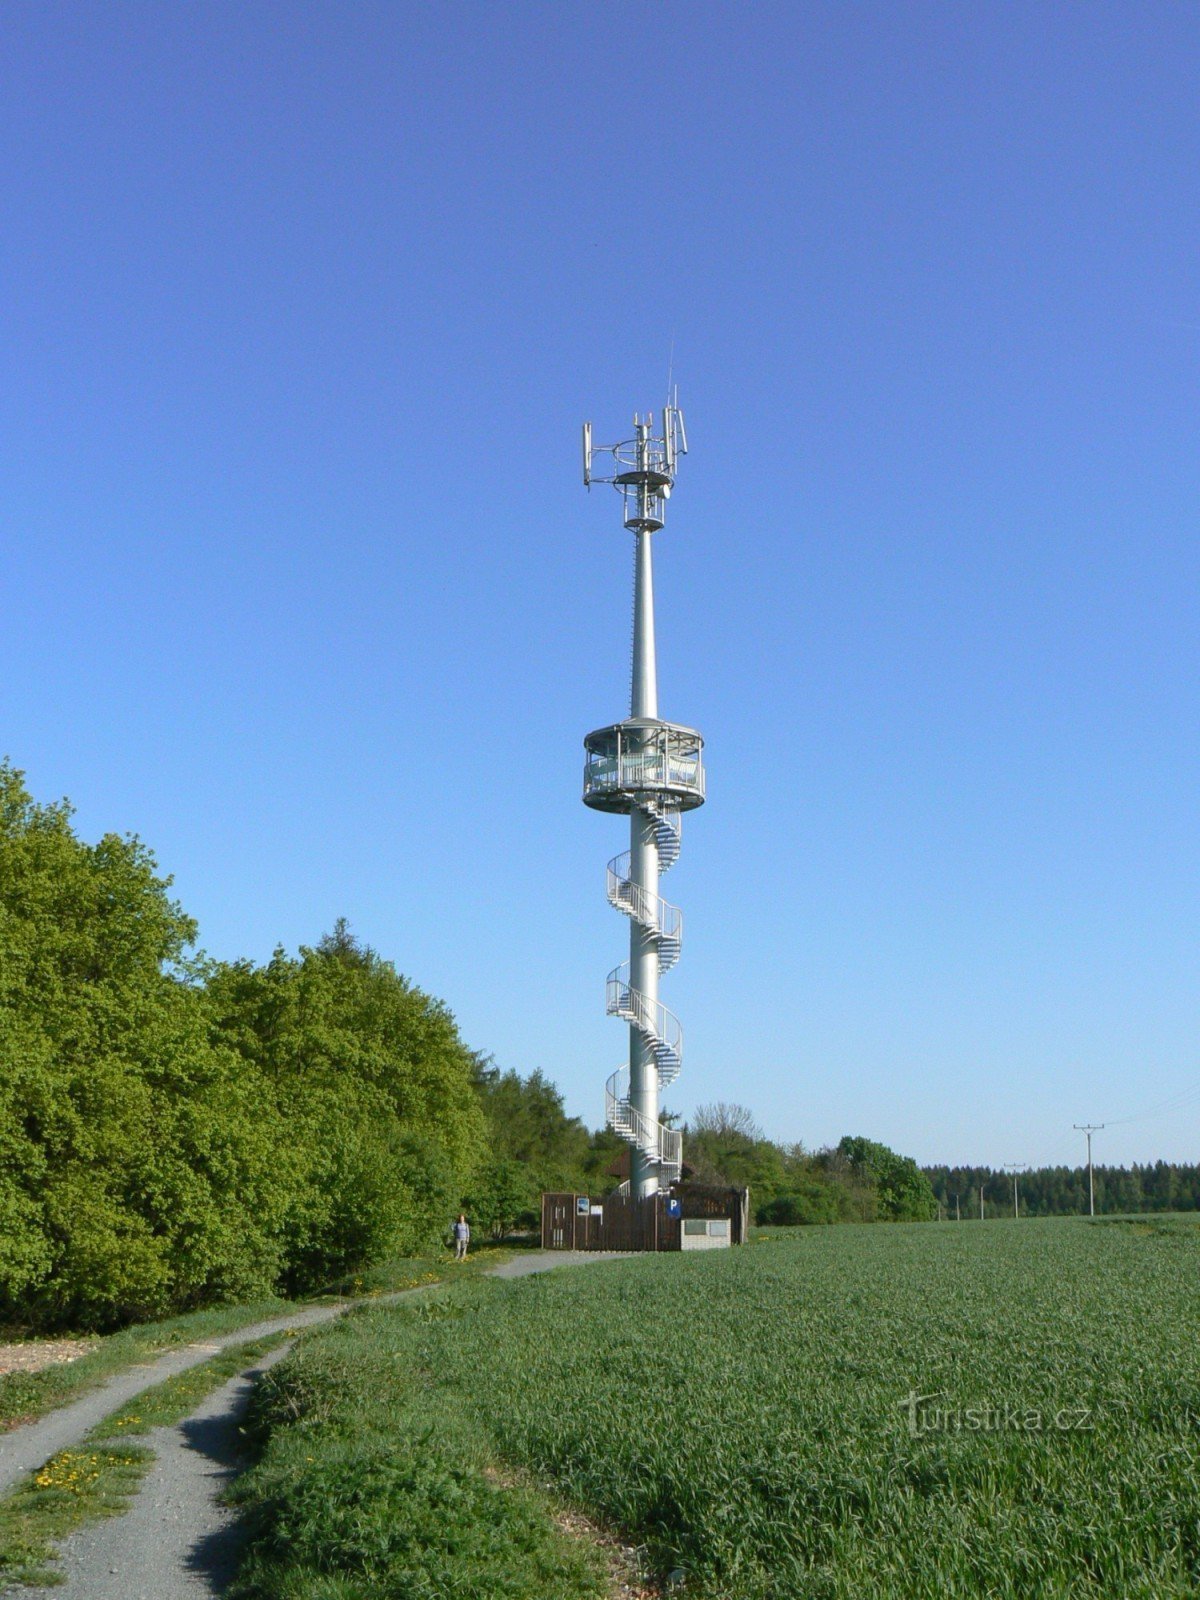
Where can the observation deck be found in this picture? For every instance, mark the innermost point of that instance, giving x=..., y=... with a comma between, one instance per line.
x=643, y=759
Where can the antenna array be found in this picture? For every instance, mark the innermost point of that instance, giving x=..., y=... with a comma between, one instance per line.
x=646, y=465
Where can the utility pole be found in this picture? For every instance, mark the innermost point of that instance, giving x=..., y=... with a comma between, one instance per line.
x=1088, y=1129
x=957, y=1211
x=1014, y=1167
x=981, y=1202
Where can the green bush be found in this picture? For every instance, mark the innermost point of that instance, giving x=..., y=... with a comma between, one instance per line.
x=377, y=1484
x=175, y=1134
x=808, y=1202
x=902, y=1192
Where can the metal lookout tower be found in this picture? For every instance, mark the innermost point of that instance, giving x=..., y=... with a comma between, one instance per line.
x=652, y=771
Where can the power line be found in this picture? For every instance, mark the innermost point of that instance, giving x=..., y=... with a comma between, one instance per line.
x=1175, y=1103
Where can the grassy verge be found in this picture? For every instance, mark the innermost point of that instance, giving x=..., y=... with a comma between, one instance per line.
x=172, y=1401
x=377, y=1481
x=26, y=1395
x=391, y=1276
x=100, y=1477
x=74, y=1487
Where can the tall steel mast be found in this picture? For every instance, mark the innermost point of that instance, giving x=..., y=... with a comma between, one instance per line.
x=653, y=771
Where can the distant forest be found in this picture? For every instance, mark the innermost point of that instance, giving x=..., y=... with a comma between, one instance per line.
x=1063, y=1191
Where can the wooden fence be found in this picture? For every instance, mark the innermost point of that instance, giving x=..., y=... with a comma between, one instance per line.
x=619, y=1222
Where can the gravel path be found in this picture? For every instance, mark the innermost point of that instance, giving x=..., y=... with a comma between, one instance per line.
x=544, y=1260
x=26, y=1448
x=177, y=1542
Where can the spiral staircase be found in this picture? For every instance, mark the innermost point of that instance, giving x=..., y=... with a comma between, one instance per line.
x=662, y=924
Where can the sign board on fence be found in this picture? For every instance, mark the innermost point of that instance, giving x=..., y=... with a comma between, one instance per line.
x=597, y=1211
x=582, y=1205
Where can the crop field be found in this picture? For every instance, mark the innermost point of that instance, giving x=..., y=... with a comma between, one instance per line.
x=950, y=1411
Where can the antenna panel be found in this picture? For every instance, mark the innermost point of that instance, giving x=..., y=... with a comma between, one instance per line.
x=587, y=455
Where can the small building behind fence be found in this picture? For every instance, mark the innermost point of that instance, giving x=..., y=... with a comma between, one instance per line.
x=688, y=1217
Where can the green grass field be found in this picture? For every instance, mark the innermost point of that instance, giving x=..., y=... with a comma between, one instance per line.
x=751, y=1416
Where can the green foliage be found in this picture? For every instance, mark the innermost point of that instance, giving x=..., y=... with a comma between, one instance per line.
x=503, y=1196
x=902, y=1192
x=377, y=1484
x=806, y=1200
x=137, y=1177
x=724, y=1144
x=374, y=1086
x=770, y=1450
x=527, y=1125
x=533, y=1146
x=174, y=1134
x=606, y=1152
x=858, y=1181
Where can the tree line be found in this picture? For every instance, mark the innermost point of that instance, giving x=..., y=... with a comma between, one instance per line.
x=856, y=1180
x=1063, y=1191
x=535, y=1146
x=176, y=1131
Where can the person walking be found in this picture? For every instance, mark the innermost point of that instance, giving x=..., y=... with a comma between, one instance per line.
x=462, y=1237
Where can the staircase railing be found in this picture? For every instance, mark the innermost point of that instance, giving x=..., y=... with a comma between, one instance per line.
x=661, y=1028
x=658, y=918
x=662, y=923
x=655, y=1141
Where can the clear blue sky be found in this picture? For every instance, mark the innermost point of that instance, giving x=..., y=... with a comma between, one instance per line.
x=303, y=306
